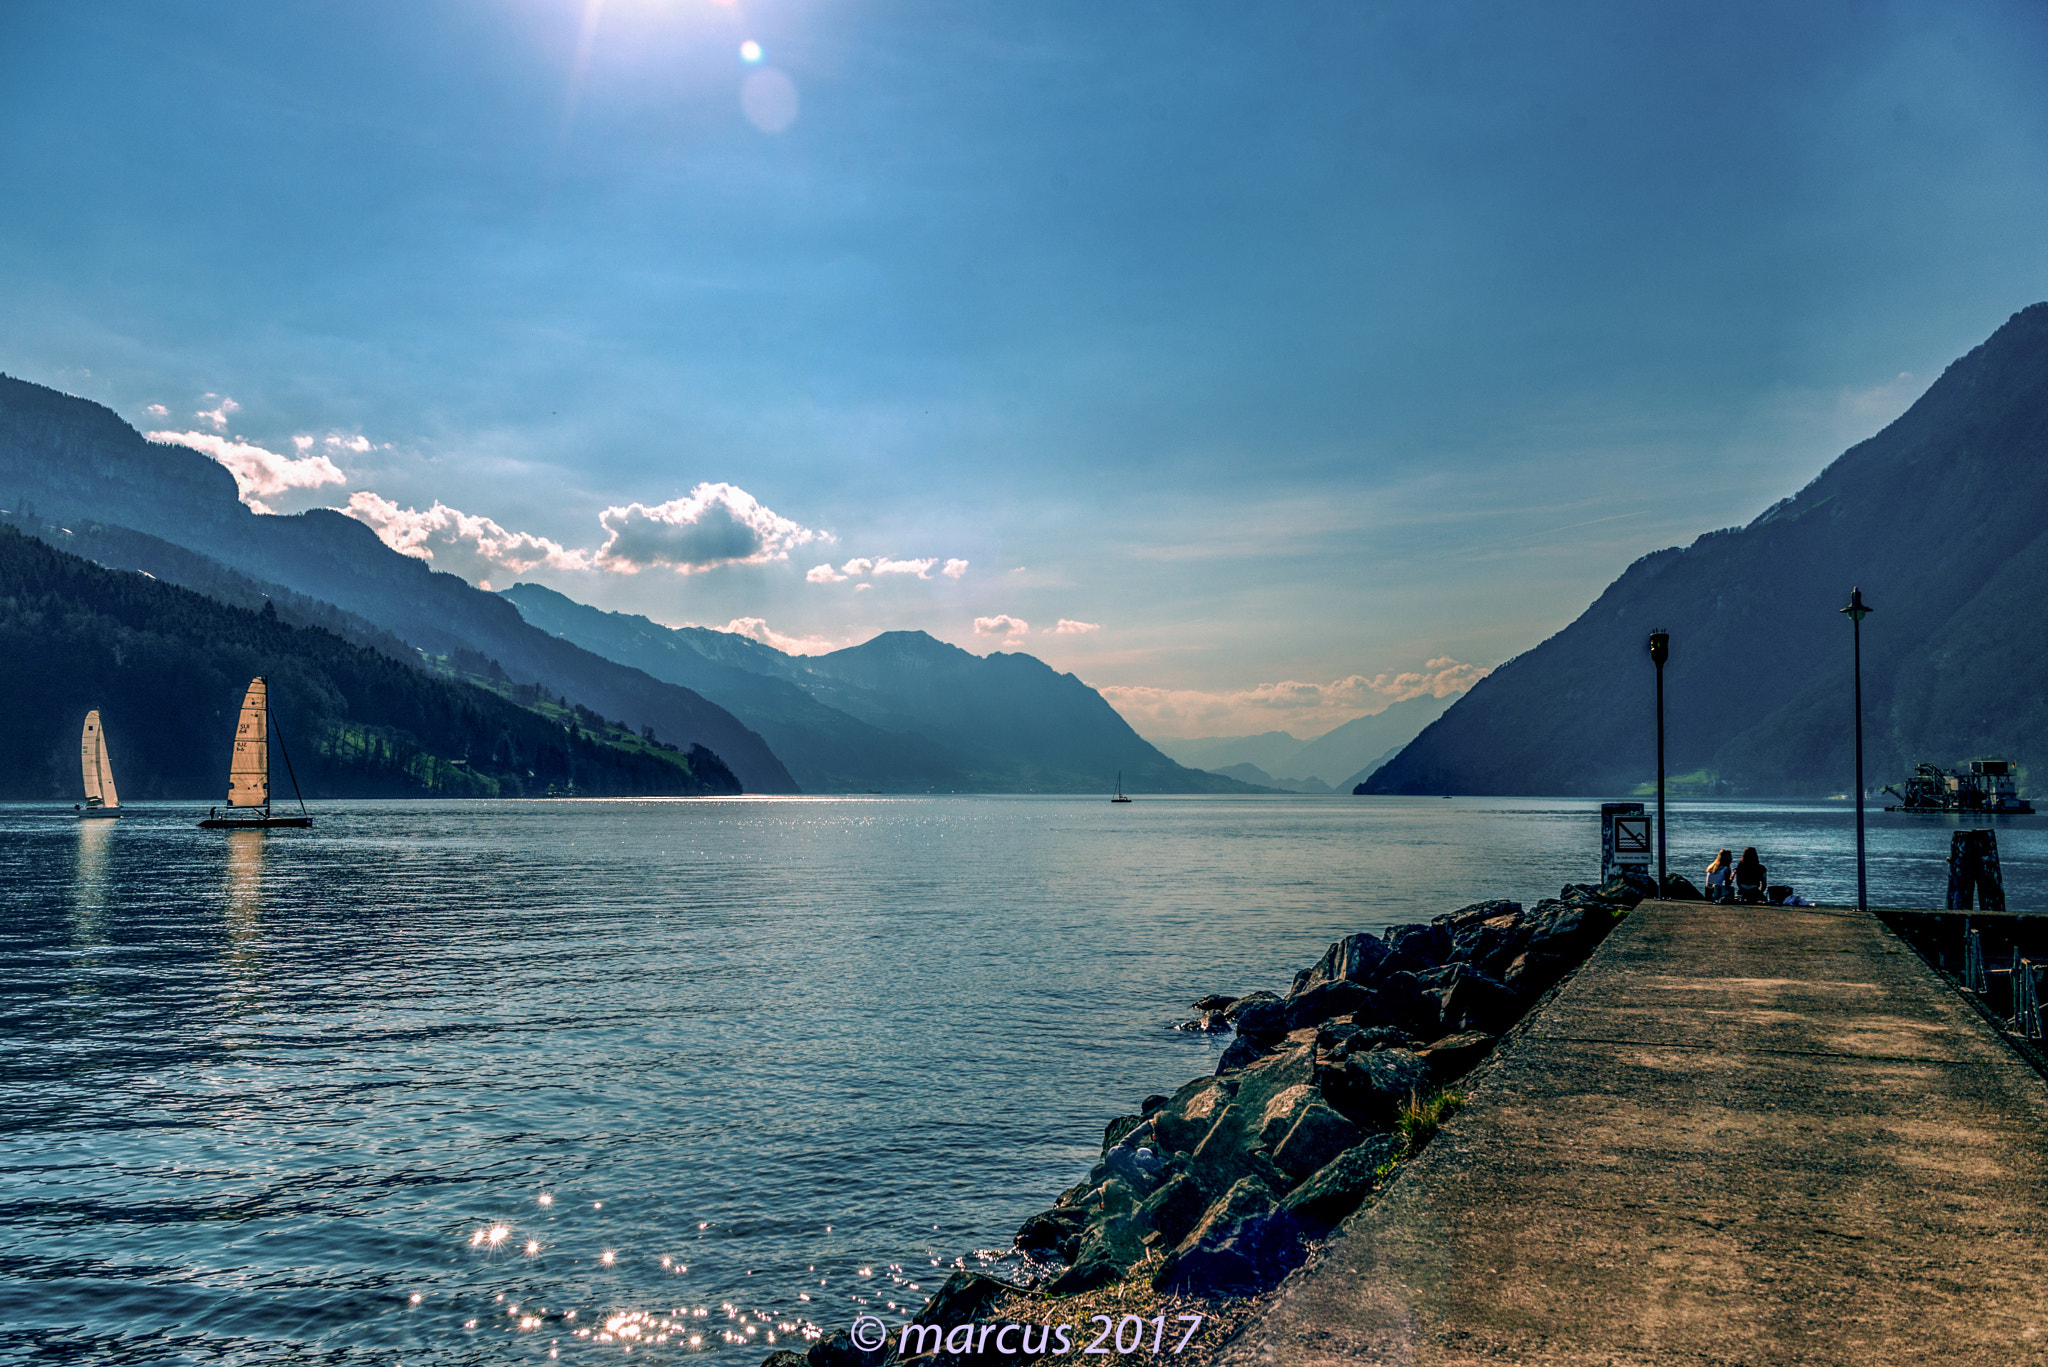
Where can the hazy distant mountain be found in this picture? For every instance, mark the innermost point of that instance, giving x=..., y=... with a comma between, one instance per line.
x=167, y=667
x=1941, y=519
x=74, y=461
x=902, y=712
x=1337, y=760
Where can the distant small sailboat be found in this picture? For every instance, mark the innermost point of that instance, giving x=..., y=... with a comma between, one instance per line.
x=100, y=797
x=1119, y=788
x=249, y=770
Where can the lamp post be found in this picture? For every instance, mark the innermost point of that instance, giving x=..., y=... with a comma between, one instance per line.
x=1857, y=611
x=1660, y=651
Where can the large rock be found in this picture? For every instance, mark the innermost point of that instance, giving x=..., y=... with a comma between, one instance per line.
x=1174, y=1209
x=1050, y=1230
x=1454, y=1055
x=1326, y=1001
x=1570, y=929
x=1477, y=1001
x=1336, y=1189
x=1208, y=1023
x=1414, y=947
x=1354, y=958
x=1478, y=913
x=1245, y=1003
x=1533, y=971
x=1490, y=945
x=836, y=1350
x=1110, y=1247
x=1214, y=1002
x=1406, y=1002
x=1116, y=1129
x=1371, y=1088
x=782, y=1357
x=1188, y=1115
x=1242, y=1245
x=964, y=1297
x=1241, y=1051
x=1264, y=1020
x=1318, y=1135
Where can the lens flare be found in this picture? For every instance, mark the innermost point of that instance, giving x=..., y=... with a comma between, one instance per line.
x=750, y=51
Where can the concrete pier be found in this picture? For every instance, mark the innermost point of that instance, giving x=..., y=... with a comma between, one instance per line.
x=1737, y=1135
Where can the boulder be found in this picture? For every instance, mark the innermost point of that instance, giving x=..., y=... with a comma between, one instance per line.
x=1414, y=947
x=1245, y=1003
x=1533, y=971
x=1492, y=944
x=1405, y=1001
x=1187, y=1116
x=1377, y=1037
x=1371, y=1088
x=1151, y=1104
x=1570, y=929
x=1214, y=1002
x=1336, y=1189
x=1629, y=887
x=1050, y=1229
x=1478, y=913
x=1679, y=888
x=1318, y=1135
x=965, y=1297
x=782, y=1357
x=1326, y=1001
x=1476, y=1001
x=1241, y=1051
x=1454, y=1055
x=1352, y=959
x=1208, y=1023
x=1110, y=1247
x=1243, y=1244
x=836, y=1350
x=1283, y=1109
x=1174, y=1209
x=1265, y=1020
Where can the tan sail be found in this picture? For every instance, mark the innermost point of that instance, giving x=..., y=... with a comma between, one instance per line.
x=99, y=770
x=249, y=771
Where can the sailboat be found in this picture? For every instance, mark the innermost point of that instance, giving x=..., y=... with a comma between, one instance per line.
x=249, y=770
x=100, y=797
x=1119, y=788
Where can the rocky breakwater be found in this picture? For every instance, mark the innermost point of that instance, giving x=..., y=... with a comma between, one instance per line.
x=1224, y=1187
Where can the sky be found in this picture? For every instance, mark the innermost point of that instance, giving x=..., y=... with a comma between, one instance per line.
x=1259, y=364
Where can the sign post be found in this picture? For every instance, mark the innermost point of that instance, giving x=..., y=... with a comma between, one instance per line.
x=1625, y=842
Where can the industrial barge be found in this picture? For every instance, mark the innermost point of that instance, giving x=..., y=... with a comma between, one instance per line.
x=1989, y=787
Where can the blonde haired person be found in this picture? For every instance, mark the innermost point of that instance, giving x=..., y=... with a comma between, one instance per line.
x=1720, y=877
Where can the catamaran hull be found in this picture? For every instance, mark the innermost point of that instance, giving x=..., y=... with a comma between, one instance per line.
x=252, y=823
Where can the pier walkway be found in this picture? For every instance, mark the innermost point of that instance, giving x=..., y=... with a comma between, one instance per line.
x=1737, y=1135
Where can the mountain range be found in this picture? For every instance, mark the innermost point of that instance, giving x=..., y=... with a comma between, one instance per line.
x=1941, y=519
x=901, y=713
x=1336, y=761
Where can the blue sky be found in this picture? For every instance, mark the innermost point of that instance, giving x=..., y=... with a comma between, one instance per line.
x=1296, y=357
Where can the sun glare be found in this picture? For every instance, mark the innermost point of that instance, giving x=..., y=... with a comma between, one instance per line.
x=750, y=51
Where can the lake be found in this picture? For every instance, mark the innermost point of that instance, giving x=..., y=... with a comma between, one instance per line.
x=418, y=1082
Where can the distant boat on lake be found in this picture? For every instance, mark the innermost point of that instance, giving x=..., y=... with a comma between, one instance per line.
x=1119, y=788
x=249, y=770
x=100, y=797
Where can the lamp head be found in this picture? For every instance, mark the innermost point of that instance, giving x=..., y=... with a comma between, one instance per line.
x=1857, y=609
x=1660, y=647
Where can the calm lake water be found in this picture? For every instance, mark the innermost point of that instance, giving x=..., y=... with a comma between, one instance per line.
x=270, y=1098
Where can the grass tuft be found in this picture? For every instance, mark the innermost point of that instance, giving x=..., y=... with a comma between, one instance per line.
x=1421, y=1117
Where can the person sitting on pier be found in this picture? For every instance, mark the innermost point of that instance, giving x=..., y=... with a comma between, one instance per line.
x=1750, y=877
x=1720, y=874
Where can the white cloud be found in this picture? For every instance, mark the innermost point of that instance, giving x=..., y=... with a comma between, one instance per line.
x=1289, y=705
x=259, y=474
x=874, y=567
x=304, y=443
x=1069, y=627
x=218, y=416
x=756, y=629
x=157, y=410
x=1006, y=630
x=717, y=524
x=357, y=443
x=458, y=542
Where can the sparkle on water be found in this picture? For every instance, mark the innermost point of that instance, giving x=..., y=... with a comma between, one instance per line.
x=369, y=1041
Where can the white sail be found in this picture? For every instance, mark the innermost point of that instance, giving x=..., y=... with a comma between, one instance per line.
x=249, y=772
x=99, y=770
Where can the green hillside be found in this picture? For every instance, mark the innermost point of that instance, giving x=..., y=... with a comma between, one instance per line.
x=167, y=669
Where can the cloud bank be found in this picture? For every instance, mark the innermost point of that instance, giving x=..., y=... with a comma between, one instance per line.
x=1004, y=629
x=259, y=474
x=1069, y=627
x=1305, y=709
x=717, y=524
x=458, y=542
x=875, y=567
x=756, y=629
